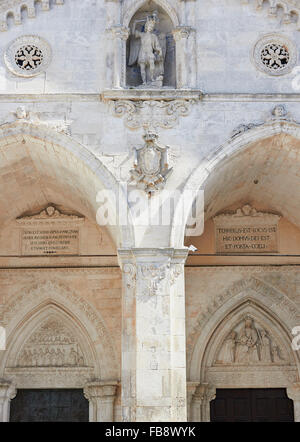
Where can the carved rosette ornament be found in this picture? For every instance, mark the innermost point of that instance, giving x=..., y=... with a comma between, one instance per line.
x=28, y=56
x=278, y=114
x=151, y=169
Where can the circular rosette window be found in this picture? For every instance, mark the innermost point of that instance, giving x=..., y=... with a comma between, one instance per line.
x=274, y=54
x=28, y=56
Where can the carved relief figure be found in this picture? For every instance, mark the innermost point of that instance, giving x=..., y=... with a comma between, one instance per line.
x=148, y=51
x=227, y=353
x=51, y=346
x=247, y=344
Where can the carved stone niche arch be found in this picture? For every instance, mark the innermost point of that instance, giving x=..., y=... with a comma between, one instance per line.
x=267, y=310
x=180, y=61
x=164, y=31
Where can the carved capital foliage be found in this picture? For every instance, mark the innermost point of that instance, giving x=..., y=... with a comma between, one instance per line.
x=205, y=392
x=129, y=274
x=7, y=390
x=14, y=7
x=152, y=274
x=151, y=114
x=98, y=389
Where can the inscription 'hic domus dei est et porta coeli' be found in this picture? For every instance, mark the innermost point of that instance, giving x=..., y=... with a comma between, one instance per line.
x=149, y=210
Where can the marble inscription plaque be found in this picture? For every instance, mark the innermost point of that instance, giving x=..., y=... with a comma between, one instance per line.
x=246, y=231
x=51, y=241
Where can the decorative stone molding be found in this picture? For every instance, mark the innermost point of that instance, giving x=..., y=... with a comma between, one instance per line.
x=50, y=215
x=151, y=168
x=200, y=407
x=101, y=396
x=291, y=9
x=52, y=292
x=152, y=274
x=13, y=7
x=151, y=114
x=7, y=393
x=274, y=54
x=43, y=119
x=52, y=345
x=278, y=114
x=28, y=56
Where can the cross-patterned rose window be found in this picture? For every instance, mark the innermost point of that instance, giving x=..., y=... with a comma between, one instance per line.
x=28, y=56
x=274, y=54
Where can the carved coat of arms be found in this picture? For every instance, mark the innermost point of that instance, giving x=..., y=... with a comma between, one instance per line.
x=151, y=168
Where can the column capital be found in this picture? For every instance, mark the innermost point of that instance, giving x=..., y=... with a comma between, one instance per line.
x=100, y=389
x=118, y=31
x=205, y=392
x=293, y=391
x=7, y=390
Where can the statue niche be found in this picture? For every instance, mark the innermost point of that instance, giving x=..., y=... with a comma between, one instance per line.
x=150, y=50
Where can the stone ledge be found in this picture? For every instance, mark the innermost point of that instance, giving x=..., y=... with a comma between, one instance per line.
x=165, y=94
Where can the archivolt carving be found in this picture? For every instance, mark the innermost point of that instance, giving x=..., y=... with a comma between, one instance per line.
x=250, y=290
x=48, y=292
x=14, y=7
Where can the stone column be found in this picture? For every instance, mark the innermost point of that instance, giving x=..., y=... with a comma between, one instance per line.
x=7, y=393
x=184, y=37
x=101, y=397
x=293, y=393
x=153, y=335
x=117, y=55
x=200, y=408
x=190, y=391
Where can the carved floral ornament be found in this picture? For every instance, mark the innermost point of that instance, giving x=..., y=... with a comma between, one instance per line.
x=28, y=56
x=274, y=54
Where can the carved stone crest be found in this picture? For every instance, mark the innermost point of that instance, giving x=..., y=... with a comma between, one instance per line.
x=151, y=168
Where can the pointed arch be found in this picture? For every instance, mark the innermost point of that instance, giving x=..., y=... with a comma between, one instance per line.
x=25, y=313
x=93, y=179
x=268, y=304
x=211, y=164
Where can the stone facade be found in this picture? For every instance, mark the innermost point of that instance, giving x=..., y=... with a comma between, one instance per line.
x=111, y=103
